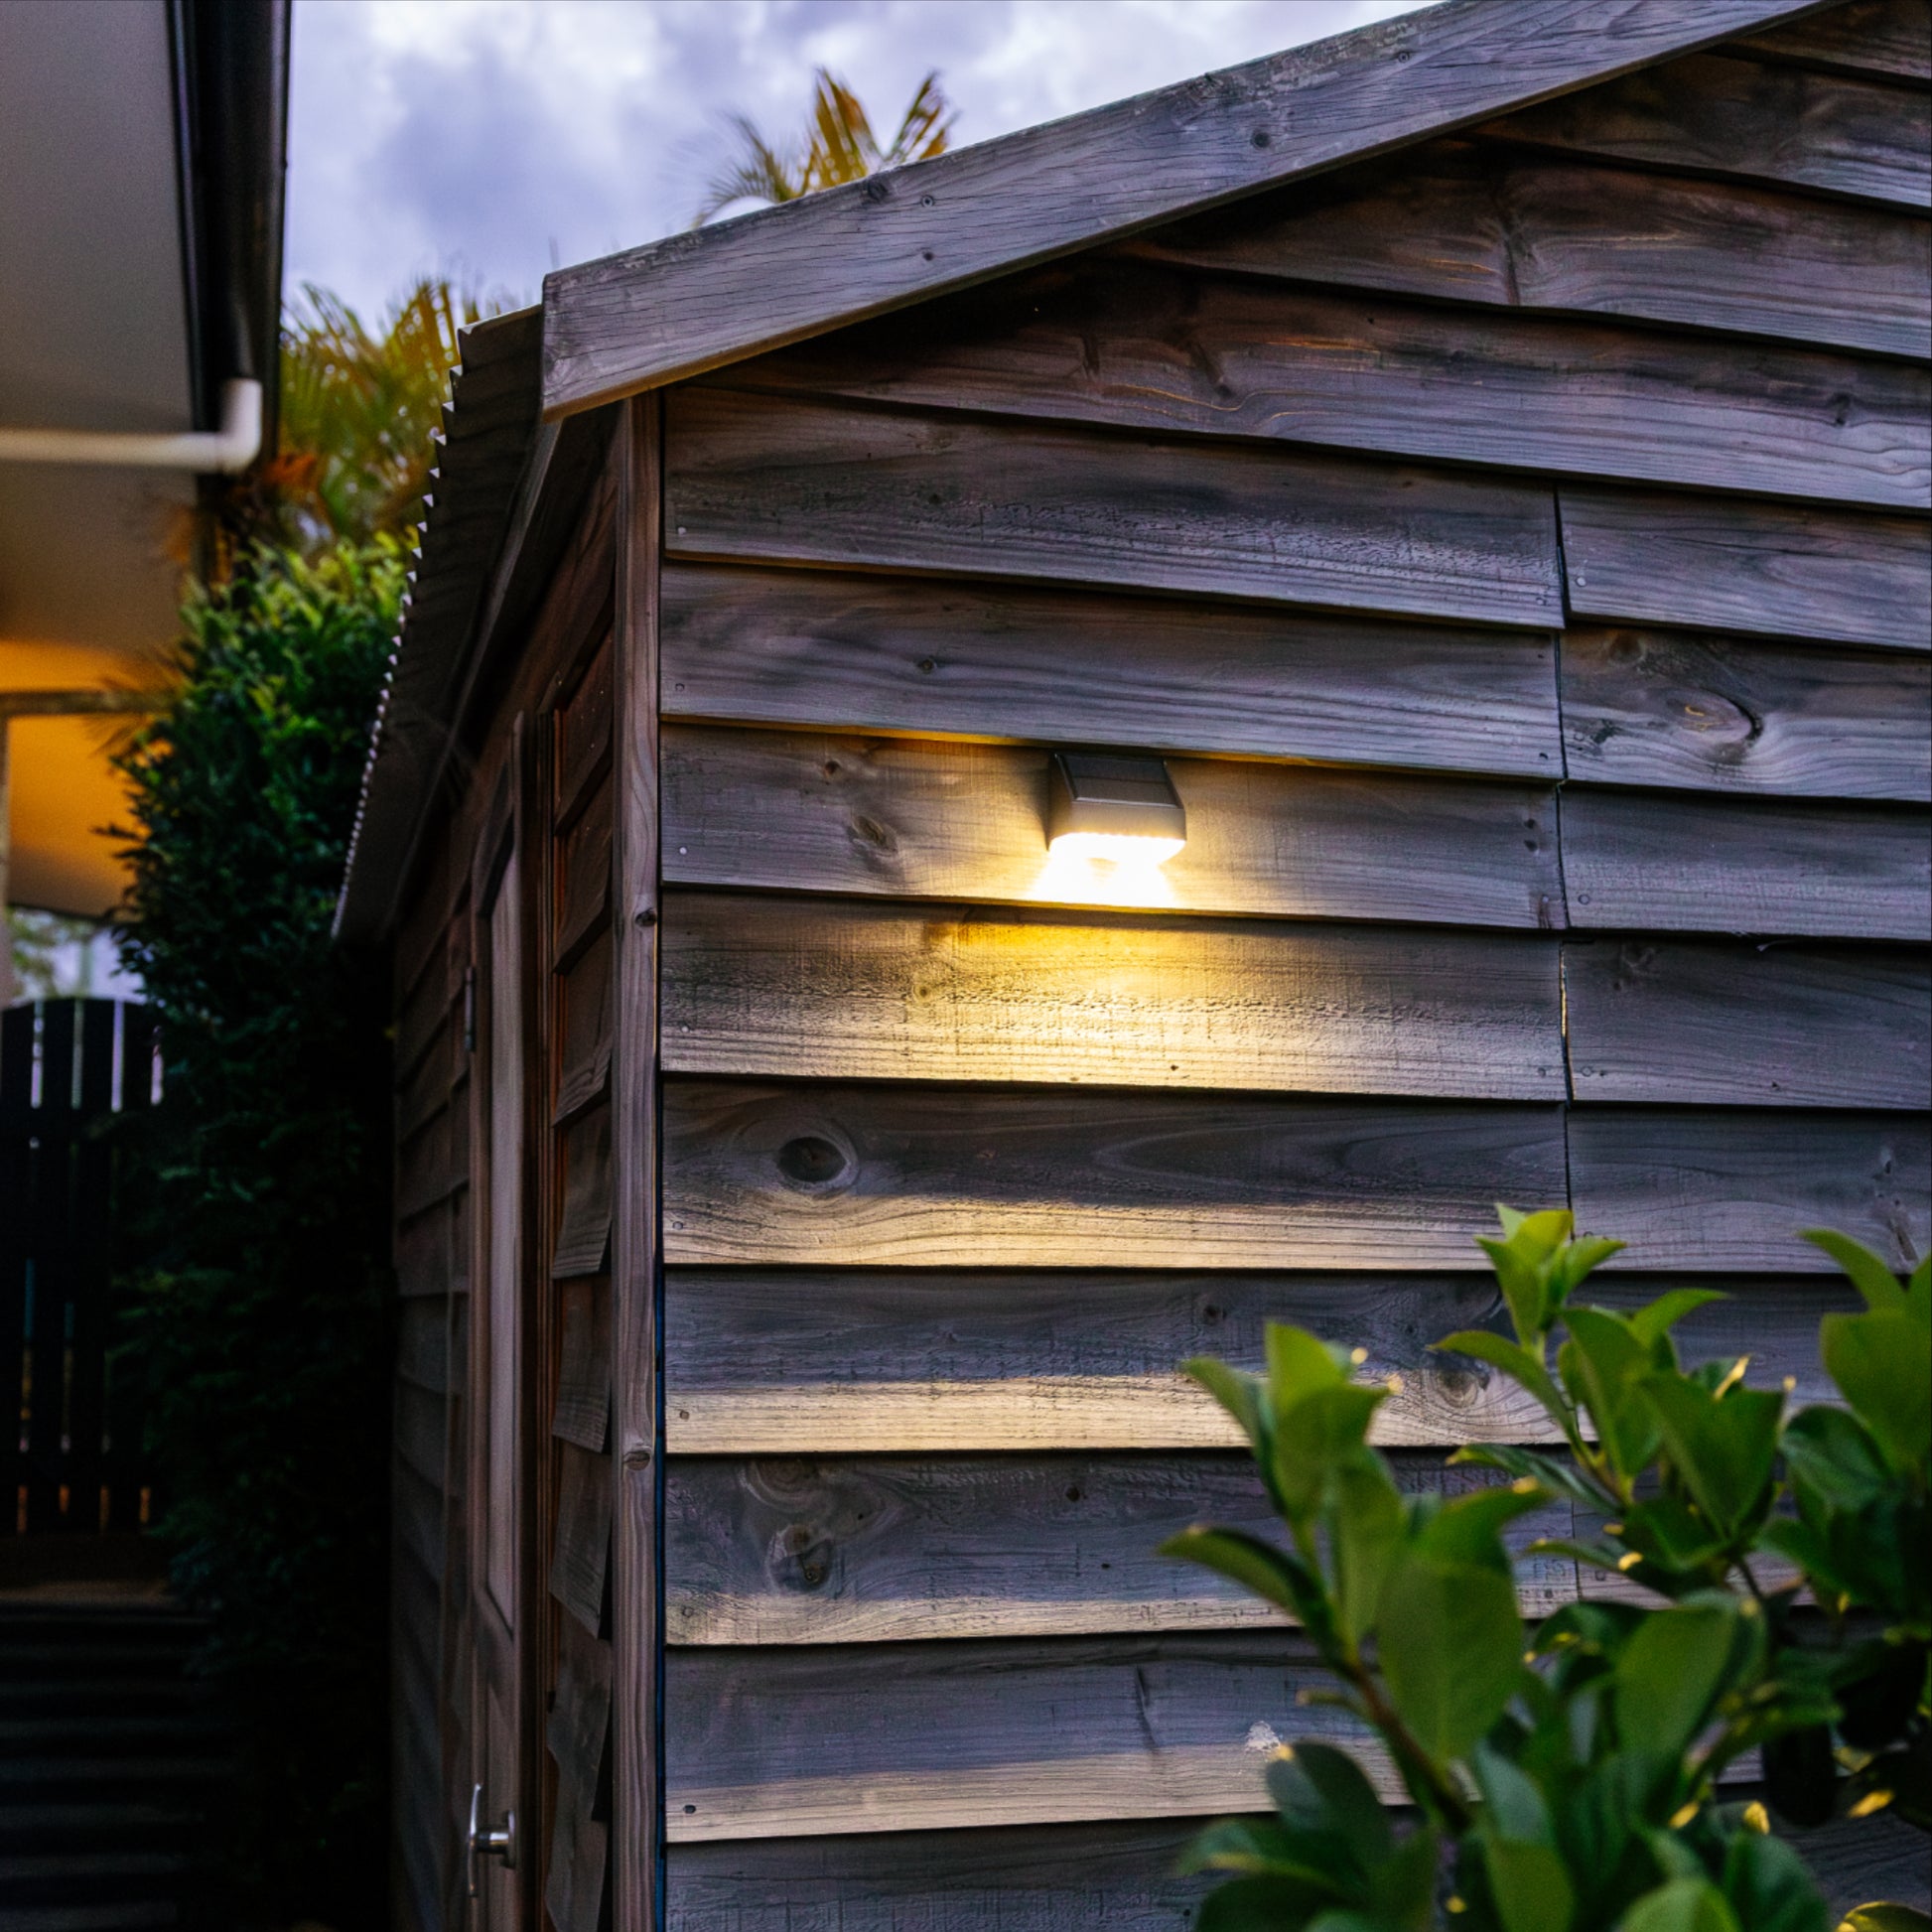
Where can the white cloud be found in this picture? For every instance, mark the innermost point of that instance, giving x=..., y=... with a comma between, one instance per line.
x=494, y=137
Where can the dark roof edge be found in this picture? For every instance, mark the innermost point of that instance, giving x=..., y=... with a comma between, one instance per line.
x=714, y=296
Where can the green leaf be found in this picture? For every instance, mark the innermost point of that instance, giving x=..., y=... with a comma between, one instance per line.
x=1525, y=1293
x=1299, y=1364
x=1769, y=1888
x=1369, y=1521
x=1579, y=1260
x=1513, y=1805
x=1722, y=1448
x=1601, y=1363
x=1530, y=1884
x=1315, y=1437
x=1683, y=1905
x=1832, y=1461
x=1317, y=1788
x=1450, y=1646
x=1256, y=1845
x=1269, y=1572
x=1558, y=1476
x=1881, y=1363
x=1655, y=1319
x=1669, y=1534
x=1870, y=1273
x=1514, y=1361
x=1402, y=1887
x=1669, y=1676
x=1238, y=1392
x=1469, y=1528
x=1262, y=1906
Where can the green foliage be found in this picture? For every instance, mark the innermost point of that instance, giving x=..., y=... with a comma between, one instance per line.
x=1570, y=1780
x=258, y=1316
x=838, y=145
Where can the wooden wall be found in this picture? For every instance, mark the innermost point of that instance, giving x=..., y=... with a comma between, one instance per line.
x=1520, y=551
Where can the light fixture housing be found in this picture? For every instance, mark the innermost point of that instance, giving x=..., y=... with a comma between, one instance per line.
x=1104, y=805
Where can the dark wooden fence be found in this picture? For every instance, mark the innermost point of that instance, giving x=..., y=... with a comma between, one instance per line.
x=70, y=1072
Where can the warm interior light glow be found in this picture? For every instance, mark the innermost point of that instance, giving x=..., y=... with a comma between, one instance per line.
x=1115, y=847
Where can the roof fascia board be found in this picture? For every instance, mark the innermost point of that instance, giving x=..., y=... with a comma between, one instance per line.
x=698, y=301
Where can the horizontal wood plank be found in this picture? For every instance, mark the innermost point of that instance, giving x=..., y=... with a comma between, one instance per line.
x=1073, y=1878
x=909, y=1176
x=856, y=990
x=584, y=881
x=1892, y=38
x=1777, y=1027
x=905, y=818
x=1741, y=566
x=584, y=1049
x=1705, y=712
x=1486, y=223
x=763, y=476
x=715, y=294
x=1662, y=862
x=583, y=1410
x=584, y=1230
x=769, y=1742
x=579, y=1561
x=991, y=661
x=877, y=1550
x=1136, y=345
x=818, y=1362
x=1765, y=122
x=1720, y=1190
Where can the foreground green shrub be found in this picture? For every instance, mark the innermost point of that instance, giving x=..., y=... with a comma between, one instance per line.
x=257, y=1317
x=1574, y=1785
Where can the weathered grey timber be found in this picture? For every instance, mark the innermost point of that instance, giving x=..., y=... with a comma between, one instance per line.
x=1665, y=862
x=864, y=1361
x=582, y=1412
x=854, y=991
x=579, y=1561
x=1708, y=1187
x=758, y=477
x=584, y=1236
x=688, y=304
x=1643, y=707
x=1767, y=1026
x=797, y=811
x=1869, y=37
x=842, y=1174
x=1136, y=345
x=1490, y=223
x=1743, y=566
x=1749, y=118
x=906, y=654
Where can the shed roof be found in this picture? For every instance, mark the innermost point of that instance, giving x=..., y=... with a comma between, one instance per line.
x=699, y=301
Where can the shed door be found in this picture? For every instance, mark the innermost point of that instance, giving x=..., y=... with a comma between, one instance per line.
x=501, y=1615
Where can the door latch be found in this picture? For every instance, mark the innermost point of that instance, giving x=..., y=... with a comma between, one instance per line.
x=481, y=1844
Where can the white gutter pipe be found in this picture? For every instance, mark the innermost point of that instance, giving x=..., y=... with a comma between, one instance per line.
x=219, y=453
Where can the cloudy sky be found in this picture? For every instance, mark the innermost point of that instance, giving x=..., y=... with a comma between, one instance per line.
x=493, y=139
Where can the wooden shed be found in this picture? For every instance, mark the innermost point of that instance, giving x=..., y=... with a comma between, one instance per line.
x=1485, y=459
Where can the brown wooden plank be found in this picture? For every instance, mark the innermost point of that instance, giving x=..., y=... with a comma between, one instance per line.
x=1120, y=1874
x=918, y=1176
x=433, y=1163
x=576, y=1733
x=1027, y=1879
x=1778, y=1026
x=581, y=1557
x=582, y=1412
x=584, y=731
x=670, y=310
x=900, y=817
x=1701, y=713
x=1741, y=566
x=1764, y=122
x=769, y=1742
x=584, y=1063
x=1138, y=345
x=1869, y=37
x=584, y=1234
x=422, y=1344
x=761, y=476
x=764, y=1363
x=636, y=1424
x=1715, y=1189
x=994, y=662
x=425, y=1258
x=1641, y=862
x=584, y=880
x=1489, y=224
x=852, y=990
x=877, y=1550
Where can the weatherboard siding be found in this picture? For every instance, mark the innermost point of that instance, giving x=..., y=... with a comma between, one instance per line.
x=1534, y=621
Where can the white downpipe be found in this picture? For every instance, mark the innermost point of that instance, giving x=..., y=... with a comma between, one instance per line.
x=223, y=451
